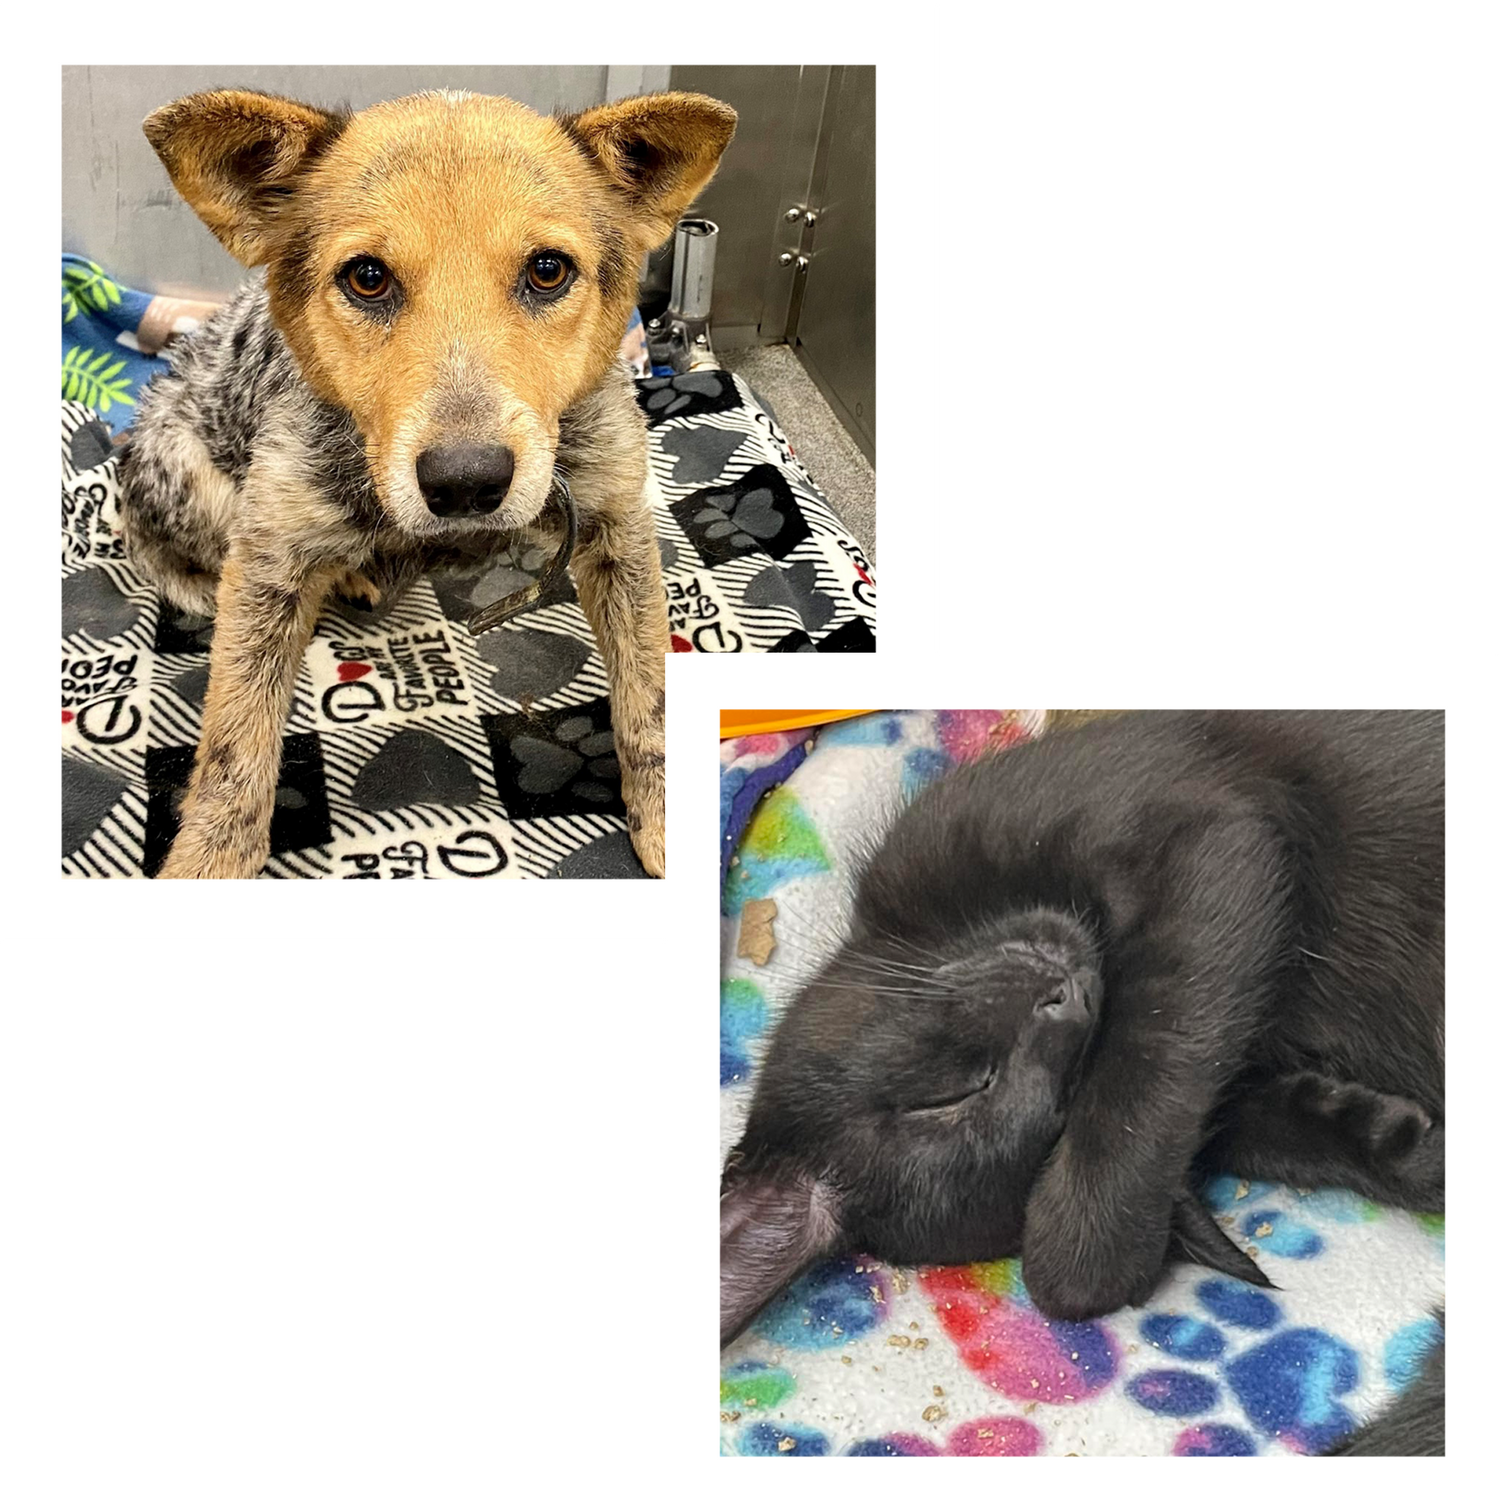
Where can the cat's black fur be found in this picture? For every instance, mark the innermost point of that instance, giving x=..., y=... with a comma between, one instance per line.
x=915, y=1089
x=1086, y=971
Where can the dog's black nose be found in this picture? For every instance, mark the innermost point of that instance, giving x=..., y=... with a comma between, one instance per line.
x=467, y=479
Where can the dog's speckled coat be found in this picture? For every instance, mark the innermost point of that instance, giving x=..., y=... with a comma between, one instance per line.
x=276, y=464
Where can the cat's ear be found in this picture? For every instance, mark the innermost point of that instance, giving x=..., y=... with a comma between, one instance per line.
x=1198, y=1239
x=772, y=1226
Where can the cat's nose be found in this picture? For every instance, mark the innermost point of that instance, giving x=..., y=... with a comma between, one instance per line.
x=465, y=479
x=1070, y=999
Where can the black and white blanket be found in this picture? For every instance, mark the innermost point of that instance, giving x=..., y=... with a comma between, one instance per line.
x=415, y=749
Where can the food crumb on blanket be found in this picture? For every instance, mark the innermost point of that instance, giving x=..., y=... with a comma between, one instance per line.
x=757, y=931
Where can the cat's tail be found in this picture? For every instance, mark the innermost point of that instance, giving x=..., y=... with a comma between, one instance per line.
x=1413, y=1425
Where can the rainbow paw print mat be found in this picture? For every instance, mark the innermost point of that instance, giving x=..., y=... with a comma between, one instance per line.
x=867, y=1359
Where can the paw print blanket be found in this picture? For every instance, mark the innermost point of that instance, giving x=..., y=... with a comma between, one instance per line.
x=416, y=749
x=866, y=1359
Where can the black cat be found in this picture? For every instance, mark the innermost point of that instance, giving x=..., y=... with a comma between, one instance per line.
x=1086, y=972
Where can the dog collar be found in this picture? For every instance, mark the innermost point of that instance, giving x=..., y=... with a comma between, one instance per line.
x=512, y=604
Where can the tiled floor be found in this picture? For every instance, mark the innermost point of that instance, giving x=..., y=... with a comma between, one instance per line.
x=831, y=455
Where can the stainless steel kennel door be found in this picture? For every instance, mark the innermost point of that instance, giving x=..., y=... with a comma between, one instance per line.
x=834, y=332
x=795, y=205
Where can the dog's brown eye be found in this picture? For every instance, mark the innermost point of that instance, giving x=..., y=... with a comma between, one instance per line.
x=368, y=278
x=546, y=272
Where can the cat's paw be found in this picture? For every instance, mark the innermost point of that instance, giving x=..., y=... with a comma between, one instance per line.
x=1087, y=1287
x=1387, y=1126
x=1086, y=1250
x=1419, y=1175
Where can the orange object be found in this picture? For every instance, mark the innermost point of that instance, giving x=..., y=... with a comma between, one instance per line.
x=734, y=721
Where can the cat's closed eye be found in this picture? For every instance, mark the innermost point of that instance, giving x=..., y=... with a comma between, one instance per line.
x=953, y=1100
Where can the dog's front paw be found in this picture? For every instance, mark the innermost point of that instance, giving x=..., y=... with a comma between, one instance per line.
x=198, y=854
x=354, y=588
x=646, y=798
x=650, y=843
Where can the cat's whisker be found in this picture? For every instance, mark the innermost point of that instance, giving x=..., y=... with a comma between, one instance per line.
x=857, y=986
x=888, y=975
x=911, y=947
x=892, y=963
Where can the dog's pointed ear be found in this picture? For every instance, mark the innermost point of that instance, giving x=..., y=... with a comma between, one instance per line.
x=658, y=151
x=234, y=156
x=1196, y=1238
x=772, y=1226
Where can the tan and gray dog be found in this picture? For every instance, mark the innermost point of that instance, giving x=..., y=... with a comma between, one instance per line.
x=447, y=281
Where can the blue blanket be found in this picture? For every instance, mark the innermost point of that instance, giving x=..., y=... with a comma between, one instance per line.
x=103, y=365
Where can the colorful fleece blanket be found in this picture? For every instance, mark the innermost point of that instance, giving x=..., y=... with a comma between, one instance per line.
x=866, y=1359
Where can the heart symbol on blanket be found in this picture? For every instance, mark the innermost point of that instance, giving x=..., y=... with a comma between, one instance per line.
x=700, y=452
x=414, y=766
x=351, y=671
x=93, y=605
x=679, y=644
x=67, y=714
x=532, y=663
x=795, y=584
x=89, y=791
